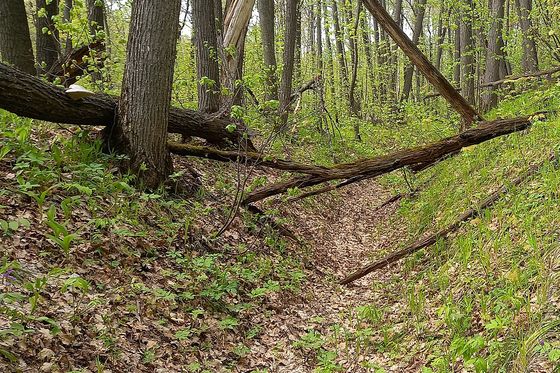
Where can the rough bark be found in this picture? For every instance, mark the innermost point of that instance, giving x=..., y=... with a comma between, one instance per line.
x=266, y=21
x=424, y=65
x=68, y=4
x=28, y=96
x=417, y=33
x=96, y=22
x=529, y=60
x=292, y=8
x=15, y=40
x=206, y=41
x=47, y=37
x=443, y=233
x=494, y=56
x=374, y=167
x=141, y=131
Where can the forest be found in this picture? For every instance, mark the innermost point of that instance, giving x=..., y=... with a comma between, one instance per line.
x=280, y=186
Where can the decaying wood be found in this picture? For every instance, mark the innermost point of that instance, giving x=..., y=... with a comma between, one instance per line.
x=236, y=156
x=28, y=96
x=434, y=76
x=373, y=167
x=443, y=233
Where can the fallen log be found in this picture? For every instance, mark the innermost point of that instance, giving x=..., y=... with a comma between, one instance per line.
x=443, y=233
x=75, y=63
x=28, y=96
x=236, y=156
x=373, y=167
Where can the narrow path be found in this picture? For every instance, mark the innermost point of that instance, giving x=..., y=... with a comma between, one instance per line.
x=342, y=231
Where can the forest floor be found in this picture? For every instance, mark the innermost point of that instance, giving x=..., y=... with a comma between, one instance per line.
x=343, y=231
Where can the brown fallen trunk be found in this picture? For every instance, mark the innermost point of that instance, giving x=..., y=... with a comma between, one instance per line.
x=373, y=167
x=30, y=97
x=235, y=156
x=74, y=64
x=444, y=233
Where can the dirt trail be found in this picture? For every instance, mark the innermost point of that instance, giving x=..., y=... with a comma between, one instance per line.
x=342, y=234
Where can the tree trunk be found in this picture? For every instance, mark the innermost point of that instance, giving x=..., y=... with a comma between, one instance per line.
x=31, y=97
x=354, y=103
x=236, y=22
x=141, y=132
x=68, y=4
x=15, y=40
x=266, y=20
x=530, y=60
x=206, y=41
x=97, y=28
x=418, y=28
x=467, y=51
x=457, y=54
x=494, y=53
x=292, y=9
x=339, y=37
x=47, y=39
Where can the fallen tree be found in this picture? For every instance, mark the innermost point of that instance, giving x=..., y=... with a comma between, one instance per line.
x=373, y=167
x=30, y=97
x=445, y=232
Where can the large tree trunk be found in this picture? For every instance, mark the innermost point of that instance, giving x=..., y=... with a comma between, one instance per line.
x=266, y=20
x=424, y=65
x=236, y=22
x=15, y=41
x=292, y=9
x=467, y=51
x=529, y=60
x=28, y=96
x=494, y=53
x=418, y=28
x=206, y=40
x=373, y=167
x=141, y=131
x=47, y=38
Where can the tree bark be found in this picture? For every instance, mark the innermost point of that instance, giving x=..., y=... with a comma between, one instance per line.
x=424, y=65
x=494, y=56
x=370, y=168
x=68, y=4
x=47, y=37
x=15, y=40
x=530, y=59
x=266, y=21
x=292, y=9
x=141, y=132
x=418, y=28
x=355, y=107
x=206, y=41
x=97, y=29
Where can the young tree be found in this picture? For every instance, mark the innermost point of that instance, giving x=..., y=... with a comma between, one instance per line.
x=15, y=41
x=292, y=9
x=47, y=37
x=146, y=91
x=417, y=32
x=467, y=50
x=494, y=55
x=208, y=72
x=266, y=20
